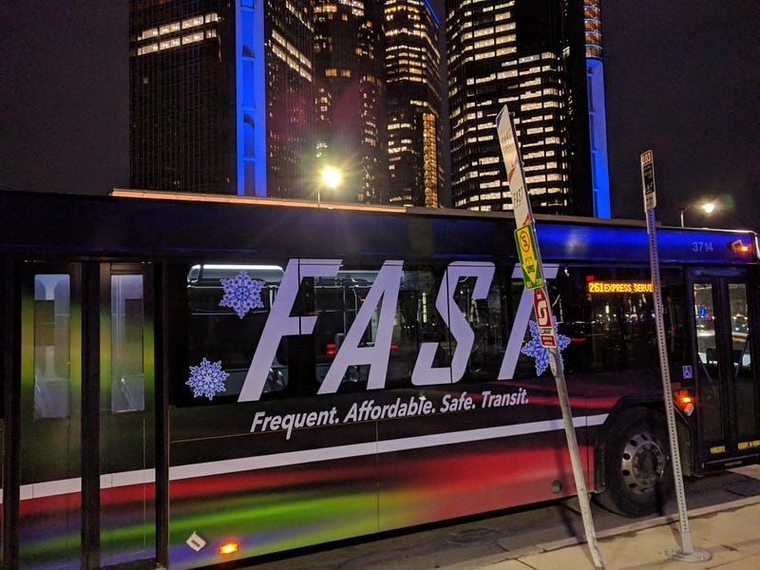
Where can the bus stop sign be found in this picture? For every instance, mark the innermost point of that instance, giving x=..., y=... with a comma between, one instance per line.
x=647, y=180
x=528, y=252
x=544, y=318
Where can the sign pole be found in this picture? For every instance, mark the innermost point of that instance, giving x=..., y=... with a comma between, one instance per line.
x=530, y=261
x=687, y=552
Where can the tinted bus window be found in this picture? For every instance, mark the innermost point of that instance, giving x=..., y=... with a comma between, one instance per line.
x=608, y=315
x=127, y=359
x=51, y=346
x=228, y=307
x=387, y=316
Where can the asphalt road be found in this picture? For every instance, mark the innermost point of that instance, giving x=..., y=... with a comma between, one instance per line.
x=514, y=532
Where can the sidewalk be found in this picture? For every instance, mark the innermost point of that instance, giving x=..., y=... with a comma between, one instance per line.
x=730, y=532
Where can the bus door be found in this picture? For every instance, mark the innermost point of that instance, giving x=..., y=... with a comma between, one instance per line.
x=86, y=446
x=727, y=389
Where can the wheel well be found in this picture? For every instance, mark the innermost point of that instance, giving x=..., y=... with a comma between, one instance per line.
x=653, y=405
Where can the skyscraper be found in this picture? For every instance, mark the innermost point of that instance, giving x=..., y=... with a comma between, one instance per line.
x=221, y=95
x=349, y=56
x=414, y=103
x=532, y=55
x=181, y=96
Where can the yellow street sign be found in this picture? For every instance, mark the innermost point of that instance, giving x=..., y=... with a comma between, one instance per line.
x=526, y=248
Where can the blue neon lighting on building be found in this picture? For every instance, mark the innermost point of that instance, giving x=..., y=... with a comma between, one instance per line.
x=600, y=176
x=432, y=13
x=250, y=99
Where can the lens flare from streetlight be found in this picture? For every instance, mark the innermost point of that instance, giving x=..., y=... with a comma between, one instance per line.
x=332, y=177
x=708, y=207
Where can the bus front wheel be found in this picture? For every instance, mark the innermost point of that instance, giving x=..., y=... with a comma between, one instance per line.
x=638, y=474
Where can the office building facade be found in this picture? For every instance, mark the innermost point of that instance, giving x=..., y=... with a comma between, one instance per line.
x=257, y=98
x=413, y=79
x=531, y=55
x=349, y=51
x=221, y=96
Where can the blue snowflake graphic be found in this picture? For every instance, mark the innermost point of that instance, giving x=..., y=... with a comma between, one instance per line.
x=207, y=379
x=535, y=349
x=242, y=293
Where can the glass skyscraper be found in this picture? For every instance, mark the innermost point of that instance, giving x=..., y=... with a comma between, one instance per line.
x=349, y=52
x=221, y=96
x=532, y=55
x=413, y=80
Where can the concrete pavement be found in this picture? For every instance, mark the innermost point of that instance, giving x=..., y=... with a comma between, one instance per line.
x=730, y=532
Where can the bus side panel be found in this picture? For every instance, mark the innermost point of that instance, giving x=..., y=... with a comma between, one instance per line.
x=471, y=478
x=263, y=491
x=47, y=532
x=488, y=446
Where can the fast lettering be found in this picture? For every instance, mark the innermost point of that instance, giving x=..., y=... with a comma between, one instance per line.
x=379, y=307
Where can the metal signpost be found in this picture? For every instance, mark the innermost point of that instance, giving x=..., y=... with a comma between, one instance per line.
x=687, y=552
x=530, y=262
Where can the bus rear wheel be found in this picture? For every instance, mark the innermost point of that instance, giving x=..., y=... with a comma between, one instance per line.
x=638, y=474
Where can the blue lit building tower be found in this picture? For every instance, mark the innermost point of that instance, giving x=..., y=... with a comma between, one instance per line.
x=221, y=96
x=597, y=116
x=532, y=55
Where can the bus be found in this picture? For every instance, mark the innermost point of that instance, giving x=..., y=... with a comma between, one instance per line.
x=190, y=380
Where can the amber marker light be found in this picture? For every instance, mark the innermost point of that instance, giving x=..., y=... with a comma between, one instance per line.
x=685, y=401
x=738, y=246
x=229, y=547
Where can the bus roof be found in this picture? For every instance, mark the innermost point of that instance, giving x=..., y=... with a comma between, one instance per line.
x=147, y=225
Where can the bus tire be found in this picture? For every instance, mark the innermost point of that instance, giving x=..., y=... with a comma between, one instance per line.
x=637, y=468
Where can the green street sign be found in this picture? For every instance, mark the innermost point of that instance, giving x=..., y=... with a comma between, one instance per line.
x=533, y=276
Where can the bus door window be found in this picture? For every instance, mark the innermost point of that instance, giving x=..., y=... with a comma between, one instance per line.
x=711, y=418
x=127, y=419
x=127, y=360
x=727, y=391
x=745, y=389
x=52, y=352
x=50, y=414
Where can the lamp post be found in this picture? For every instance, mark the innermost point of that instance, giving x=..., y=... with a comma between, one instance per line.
x=708, y=207
x=331, y=178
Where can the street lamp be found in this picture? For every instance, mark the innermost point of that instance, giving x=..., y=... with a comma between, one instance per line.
x=331, y=178
x=708, y=207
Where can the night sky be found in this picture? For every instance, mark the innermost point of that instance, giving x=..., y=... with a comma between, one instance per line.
x=682, y=78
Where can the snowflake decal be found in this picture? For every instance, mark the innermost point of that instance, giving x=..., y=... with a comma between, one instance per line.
x=207, y=379
x=535, y=349
x=242, y=293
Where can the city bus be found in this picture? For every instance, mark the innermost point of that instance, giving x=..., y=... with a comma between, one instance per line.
x=189, y=380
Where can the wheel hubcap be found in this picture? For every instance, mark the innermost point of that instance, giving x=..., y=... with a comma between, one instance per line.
x=643, y=463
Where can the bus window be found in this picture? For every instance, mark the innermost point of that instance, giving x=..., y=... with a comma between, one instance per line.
x=127, y=374
x=336, y=302
x=741, y=360
x=487, y=318
x=608, y=315
x=51, y=346
x=228, y=307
